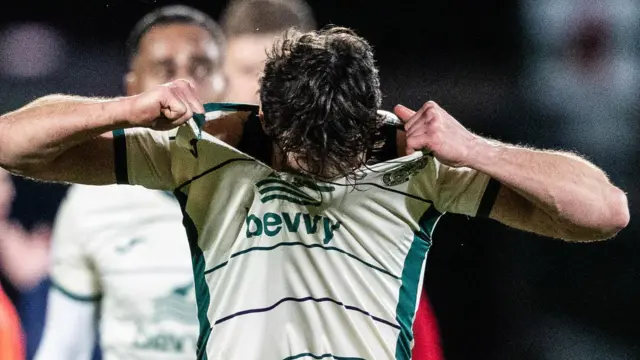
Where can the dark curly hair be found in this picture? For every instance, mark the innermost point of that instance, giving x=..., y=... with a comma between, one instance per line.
x=320, y=93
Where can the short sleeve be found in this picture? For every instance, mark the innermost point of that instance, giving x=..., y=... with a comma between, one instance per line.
x=459, y=190
x=142, y=157
x=72, y=270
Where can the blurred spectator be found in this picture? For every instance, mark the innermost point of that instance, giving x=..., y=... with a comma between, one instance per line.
x=580, y=86
x=584, y=71
x=11, y=342
x=24, y=256
x=559, y=338
x=251, y=27
x=24, y=262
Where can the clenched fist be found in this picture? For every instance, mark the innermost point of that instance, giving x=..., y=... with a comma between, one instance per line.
x=433, y=130
x=164, y=107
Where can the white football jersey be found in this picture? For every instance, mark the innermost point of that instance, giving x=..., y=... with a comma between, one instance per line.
x=289, y=268
x=125, y=247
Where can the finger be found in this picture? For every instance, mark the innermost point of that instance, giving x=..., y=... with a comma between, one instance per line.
x=428, y=115
x=189, y=110
x=184, y=118
x=417, y=131
x=174, y=107
x=171, y=107
x=418, y=143
x=403, y=112
x=189, y=93
x=416, y=119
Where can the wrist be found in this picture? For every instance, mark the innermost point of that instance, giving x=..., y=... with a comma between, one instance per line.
x=119, y=112
x=484, y=153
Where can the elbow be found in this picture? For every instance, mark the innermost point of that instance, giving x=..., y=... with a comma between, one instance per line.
x=617, y=217
x=9, y=158
x=16, y=168
x=19, y=165
x=12, y=162
x=609, y=221
x=614, y=217
x=16, y=158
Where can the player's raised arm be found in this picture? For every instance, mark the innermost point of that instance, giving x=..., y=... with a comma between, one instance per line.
x=551, y=193
x=67, y=139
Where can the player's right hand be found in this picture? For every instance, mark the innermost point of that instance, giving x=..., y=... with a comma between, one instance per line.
x=164, y=107
x=433, y=130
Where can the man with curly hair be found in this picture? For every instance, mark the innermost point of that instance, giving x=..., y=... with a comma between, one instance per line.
x=306, y=250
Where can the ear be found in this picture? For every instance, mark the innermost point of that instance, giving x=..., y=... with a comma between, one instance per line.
x=131, y=84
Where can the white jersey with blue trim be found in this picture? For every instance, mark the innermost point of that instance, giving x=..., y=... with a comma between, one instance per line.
x=124, y=248
x=290, y=268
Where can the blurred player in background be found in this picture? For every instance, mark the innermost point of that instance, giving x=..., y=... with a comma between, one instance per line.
x=121, y=259
x=251, y=28
x=317, y=254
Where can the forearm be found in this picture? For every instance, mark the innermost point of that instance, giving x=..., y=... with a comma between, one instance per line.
x=573, y=192
x=41, y=131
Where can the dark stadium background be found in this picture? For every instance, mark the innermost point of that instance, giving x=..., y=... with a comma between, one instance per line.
x=498, y=293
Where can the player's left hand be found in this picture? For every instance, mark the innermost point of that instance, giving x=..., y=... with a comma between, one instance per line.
x=433, y=130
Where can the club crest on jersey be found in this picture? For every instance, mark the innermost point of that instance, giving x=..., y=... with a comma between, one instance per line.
x=404, y=172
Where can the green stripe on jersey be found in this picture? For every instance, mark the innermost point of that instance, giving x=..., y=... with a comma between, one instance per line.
x=231, y=107
x=287, y=190
x=71, y=295
x=290, y=199
x=308, y=246
x=323, y=356
x=411, y=273
x=203, y=298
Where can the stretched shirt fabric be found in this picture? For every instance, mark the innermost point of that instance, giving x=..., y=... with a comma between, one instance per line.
x=290, y=268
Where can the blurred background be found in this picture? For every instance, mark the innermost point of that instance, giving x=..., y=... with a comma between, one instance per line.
x=547, y=73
